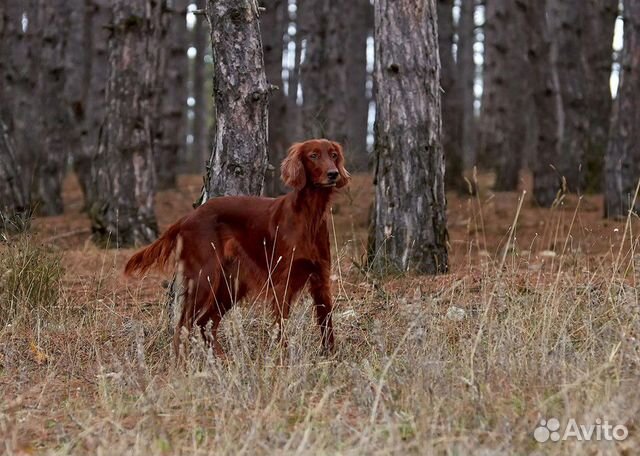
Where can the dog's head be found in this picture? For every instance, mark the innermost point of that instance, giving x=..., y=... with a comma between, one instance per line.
x=317, y=163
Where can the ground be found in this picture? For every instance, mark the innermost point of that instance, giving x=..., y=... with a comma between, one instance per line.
x=532, y=323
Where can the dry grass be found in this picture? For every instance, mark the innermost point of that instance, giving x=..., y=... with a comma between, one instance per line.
x=534, y=321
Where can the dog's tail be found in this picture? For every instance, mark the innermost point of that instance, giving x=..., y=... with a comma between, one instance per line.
x=155, y=255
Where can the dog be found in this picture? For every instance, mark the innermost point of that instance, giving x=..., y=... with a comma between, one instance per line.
x=240, y=247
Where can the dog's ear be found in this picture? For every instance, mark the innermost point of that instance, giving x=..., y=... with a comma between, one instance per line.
x=292, y=169
x=345, y=177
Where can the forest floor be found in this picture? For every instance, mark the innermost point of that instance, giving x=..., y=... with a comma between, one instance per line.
x=534, y=323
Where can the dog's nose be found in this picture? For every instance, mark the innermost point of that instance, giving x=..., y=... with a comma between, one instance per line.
x=332, y=175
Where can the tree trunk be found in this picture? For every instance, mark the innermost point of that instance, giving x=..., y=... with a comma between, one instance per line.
x=122, y=214
x=410, y=209
x=451, y=98
x=465, y=80
x=600, y=18
x=273, y=26
x=53, y=123
x=14, y=189
x=323, y=71
x=569, y=32
x=14, y=197
x=506, y=94
x=78, y=71
x=20, y=79
x=239, y=158
x=98, y=19
x=201, y=139
x=543, y=55
x=622, y=162
x=360, y=19
x=172, y=136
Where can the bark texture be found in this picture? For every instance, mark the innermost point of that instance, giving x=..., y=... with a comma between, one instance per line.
x=273, y=26
x=622, y=162
x=600, y=17
x=360, y=20
x=99, y=17
x=19, y=86
x=122, y=214
x=451, y=97
x=239, y=158
x=323, y=71
x=172, y=134
x=410, y=208
x=77, y=69
x=506, y=91
x=14, y=191
x=583, y=32
x=543, y=54
x=569, y=31
x=53, y=123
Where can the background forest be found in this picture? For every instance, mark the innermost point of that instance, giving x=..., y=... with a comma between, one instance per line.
x=485, y=255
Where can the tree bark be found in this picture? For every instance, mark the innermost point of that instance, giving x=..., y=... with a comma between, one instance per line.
x=622, y=161
x=96, y=37
x=53, y=124
x=359, y=15
x=548, y=106
x=273, y=26
x=239, y=158
x=600, y=18
x=410, y=208
x=569, y=32
x=506, y=93
x=14, y=189
x=172, y=136
x=451, y=98
x=21, y=70
x=201, y=138
x=78, y=72
x=323, y=71
x=122, y=214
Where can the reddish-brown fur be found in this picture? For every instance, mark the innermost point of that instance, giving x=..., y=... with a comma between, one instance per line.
x=239, y=247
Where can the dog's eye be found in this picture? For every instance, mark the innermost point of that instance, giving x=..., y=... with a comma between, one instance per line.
x=313, y=156
x=334, y=155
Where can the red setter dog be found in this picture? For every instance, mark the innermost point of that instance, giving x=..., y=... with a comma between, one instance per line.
x=237, y=247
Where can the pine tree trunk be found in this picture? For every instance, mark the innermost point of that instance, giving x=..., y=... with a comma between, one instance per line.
x=239, y=158
x=273, y=26
x=122, y=214
x=451, y=98
x=568, y=33
x=360, y=19
x=543, y=55
x=323, y=72
x=410, y=208
x=622, y=162
x=171, y=140
x=14, y=189
x=506, y=94
x=600, y=17
x=99, y=20
x=53, y=123
x=201, y=148
x=23, y=68
x=467, y=72
x=78, y=71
